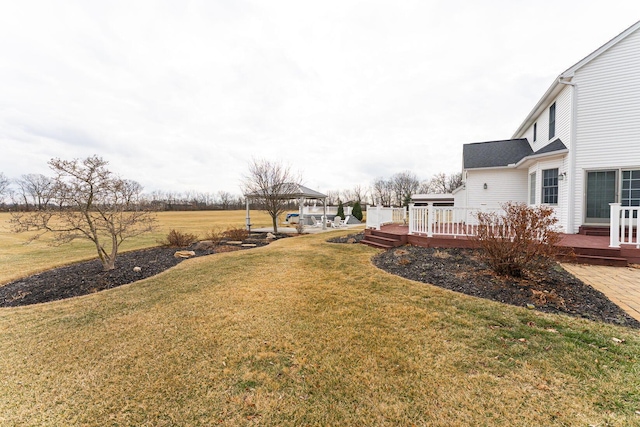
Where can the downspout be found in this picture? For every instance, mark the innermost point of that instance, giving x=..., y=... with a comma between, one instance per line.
x=572, y=154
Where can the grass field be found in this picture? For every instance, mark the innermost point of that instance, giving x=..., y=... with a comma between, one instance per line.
x=19, y=258
x=305, y=332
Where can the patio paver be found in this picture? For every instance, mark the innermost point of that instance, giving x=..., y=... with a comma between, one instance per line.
x=620, y=284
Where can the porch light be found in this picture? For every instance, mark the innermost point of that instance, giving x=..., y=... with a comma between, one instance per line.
x=561, y=176
x=485, y=186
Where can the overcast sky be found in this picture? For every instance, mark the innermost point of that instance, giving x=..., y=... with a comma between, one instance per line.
x=181, y=95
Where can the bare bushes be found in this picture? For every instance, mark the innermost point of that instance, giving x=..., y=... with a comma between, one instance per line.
x=178, y=239
x=523, y=239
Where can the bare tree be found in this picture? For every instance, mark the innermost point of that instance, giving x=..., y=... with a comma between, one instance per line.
x=440, y=183
x=359, y=193
x=4, y=186
x=454, y=181
x=404, y=185
x=92, y=204
x=225, y=199
x=35, y=188
x=272, y=184
x=382, y=191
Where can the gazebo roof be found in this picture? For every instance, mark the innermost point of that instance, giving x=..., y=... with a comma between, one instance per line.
x=294, y=191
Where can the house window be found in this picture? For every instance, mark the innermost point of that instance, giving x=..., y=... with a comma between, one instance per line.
x=532, y=188
x=550, y=186
x=552, y=121
x=630, y=188
x=535, y=132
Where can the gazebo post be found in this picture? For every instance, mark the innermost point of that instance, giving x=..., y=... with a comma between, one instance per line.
x=324, y=210
x=248, y=217
x=300, y=209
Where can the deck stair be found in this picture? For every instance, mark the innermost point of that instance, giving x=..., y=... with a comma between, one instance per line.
x=599, y=256
x=382, y=240
x=593, y=230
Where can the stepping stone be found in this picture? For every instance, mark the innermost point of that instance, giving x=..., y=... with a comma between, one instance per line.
x=234, y=242
x=249, y=245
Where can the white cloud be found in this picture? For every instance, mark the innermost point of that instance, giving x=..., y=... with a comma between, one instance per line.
x=181, y=95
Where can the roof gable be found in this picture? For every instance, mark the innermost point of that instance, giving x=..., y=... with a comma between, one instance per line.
x=566, y=76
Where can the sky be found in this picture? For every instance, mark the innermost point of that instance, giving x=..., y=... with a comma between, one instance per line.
x=182, y=95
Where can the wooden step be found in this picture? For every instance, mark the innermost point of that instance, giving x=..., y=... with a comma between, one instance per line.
x=601, y=260
x=382, y=240
x=594, y=230
x=375, y=244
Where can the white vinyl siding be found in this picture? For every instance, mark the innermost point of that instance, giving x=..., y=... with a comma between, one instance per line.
x=502, y=185
x=563, y=123
x=608, y=128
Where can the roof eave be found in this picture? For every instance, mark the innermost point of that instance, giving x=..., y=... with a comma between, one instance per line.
x=568, y=74
x=534, y=157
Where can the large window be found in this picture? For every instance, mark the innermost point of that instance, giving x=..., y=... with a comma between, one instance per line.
x=552, y=120
x=532, y=188
x=550, y=186
x=630, y=188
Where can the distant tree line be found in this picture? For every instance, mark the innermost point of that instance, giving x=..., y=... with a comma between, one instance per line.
x=398, y=189
x=34, y=191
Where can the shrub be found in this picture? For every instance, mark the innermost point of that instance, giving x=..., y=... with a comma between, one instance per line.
x=215, y=235
x=340, y=209
x=357, y=211
x=523, y=239
x=236, y=233
x=178, y=239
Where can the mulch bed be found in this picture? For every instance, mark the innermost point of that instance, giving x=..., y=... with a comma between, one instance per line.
x=88, y=277
x=463, y=270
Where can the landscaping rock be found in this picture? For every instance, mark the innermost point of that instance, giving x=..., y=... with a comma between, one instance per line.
x=204, y=245
x=184, y=254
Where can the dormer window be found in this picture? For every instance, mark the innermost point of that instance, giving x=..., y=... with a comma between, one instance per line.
x=552, y=120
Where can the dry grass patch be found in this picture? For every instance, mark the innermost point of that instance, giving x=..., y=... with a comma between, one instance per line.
x=19, y=259
x=304, y=332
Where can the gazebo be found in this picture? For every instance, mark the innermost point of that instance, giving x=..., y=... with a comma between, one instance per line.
x=290, y=191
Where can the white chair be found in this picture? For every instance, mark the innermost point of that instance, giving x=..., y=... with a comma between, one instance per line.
x=315, y=222
x=346, y=220
x=336, y=222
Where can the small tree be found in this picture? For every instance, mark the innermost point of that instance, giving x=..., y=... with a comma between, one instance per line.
x=357, y=211
x=523, y=239
x=89, y=202
x=4, y=186
x=340, y=209
x=272, y=185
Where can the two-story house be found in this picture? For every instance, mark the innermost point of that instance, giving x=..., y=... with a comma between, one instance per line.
x=578, y=149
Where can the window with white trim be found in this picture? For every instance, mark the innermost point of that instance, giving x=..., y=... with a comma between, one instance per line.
x=532, y=188
x=630, y=188
x=550, y=186
x=552, y=120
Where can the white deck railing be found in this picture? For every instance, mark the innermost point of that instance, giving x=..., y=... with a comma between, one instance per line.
x=378, y=216
x=624, y=225
x=445, y=220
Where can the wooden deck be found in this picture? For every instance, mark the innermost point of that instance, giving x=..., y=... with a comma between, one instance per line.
x=588, y=249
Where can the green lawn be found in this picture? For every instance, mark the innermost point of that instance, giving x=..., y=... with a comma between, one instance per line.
x=305, y=332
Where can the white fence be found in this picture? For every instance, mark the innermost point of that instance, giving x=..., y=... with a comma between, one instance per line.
x=624, y=225
x=441, y=220
x=378, y=216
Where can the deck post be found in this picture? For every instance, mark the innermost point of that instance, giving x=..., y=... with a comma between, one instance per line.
x=614, y=225
x=411, y=216
x=378, y=214
x=429, y=219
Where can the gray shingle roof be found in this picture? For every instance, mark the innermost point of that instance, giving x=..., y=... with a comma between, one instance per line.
x=495, y=154
x=556, y=145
